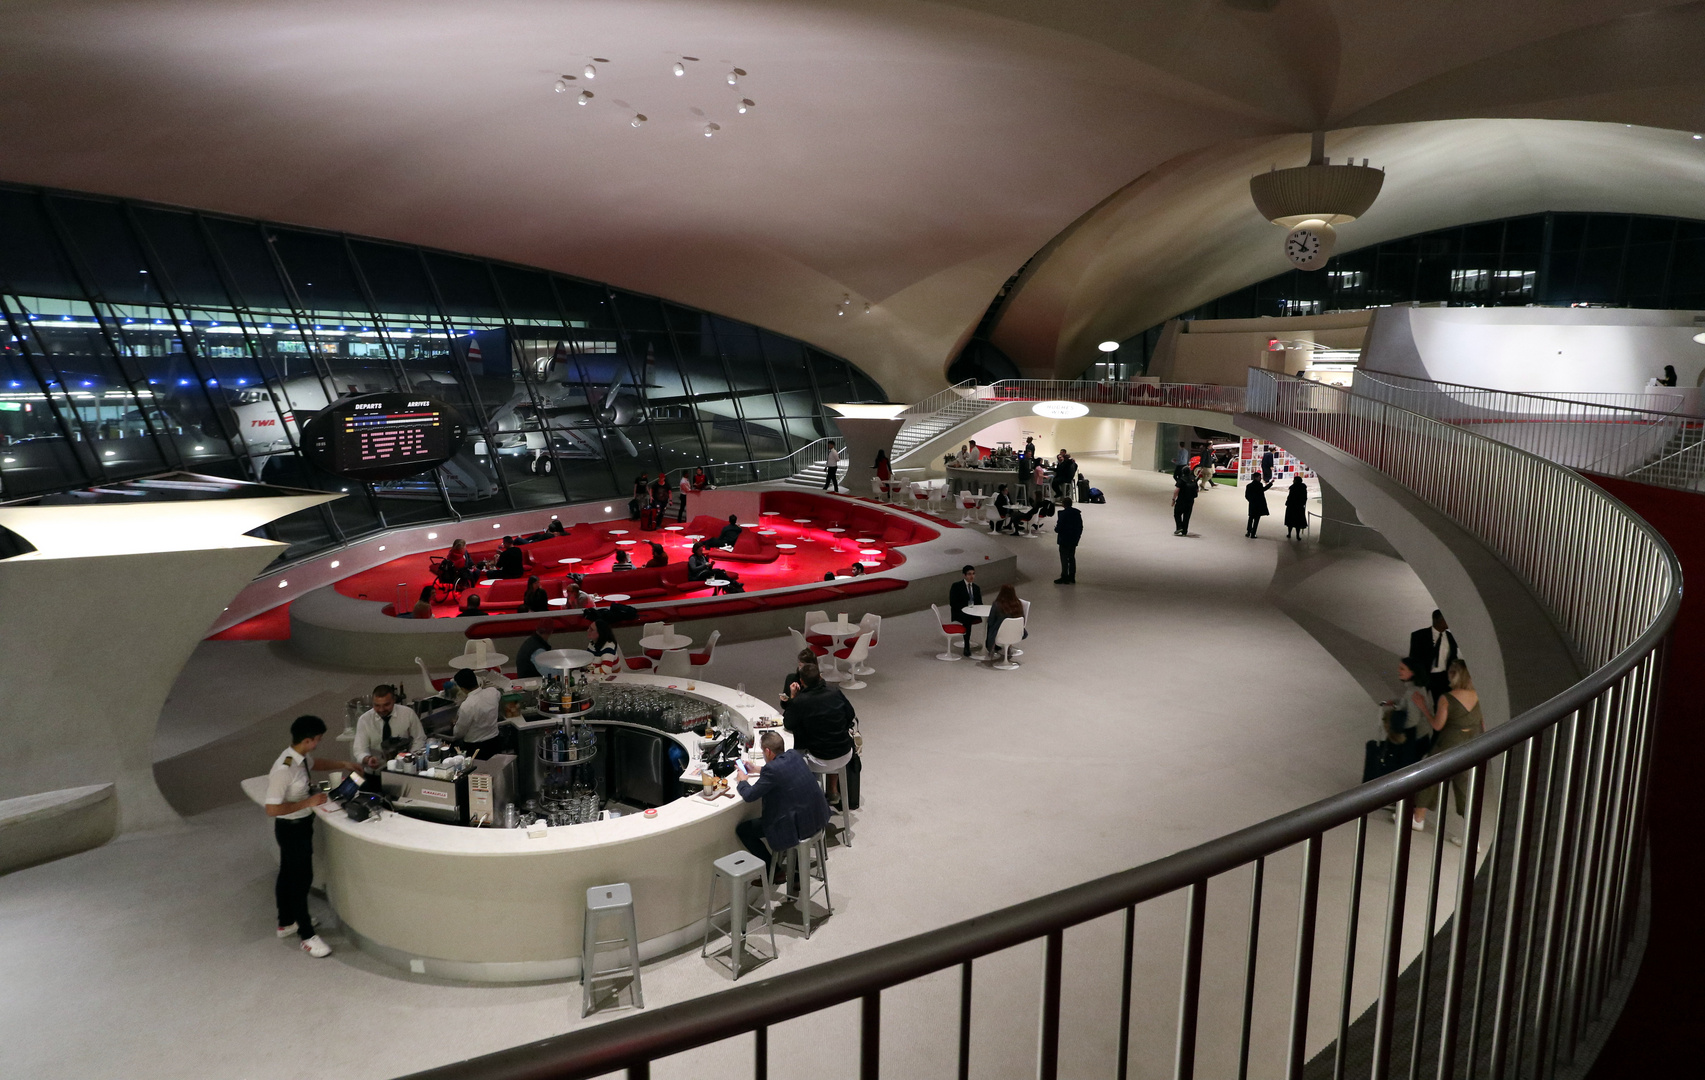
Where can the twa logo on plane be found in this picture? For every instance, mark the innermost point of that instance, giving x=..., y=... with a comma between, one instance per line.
x=263, y=423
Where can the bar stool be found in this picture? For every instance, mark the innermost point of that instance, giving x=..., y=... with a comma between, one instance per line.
x=740, y=870
x=845, y=807
x=608, y=901
x=816, y=870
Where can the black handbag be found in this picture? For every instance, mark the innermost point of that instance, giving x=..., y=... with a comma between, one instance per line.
x=1380, y=758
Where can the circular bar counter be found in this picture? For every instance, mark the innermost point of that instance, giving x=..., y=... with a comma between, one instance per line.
x=499, y=905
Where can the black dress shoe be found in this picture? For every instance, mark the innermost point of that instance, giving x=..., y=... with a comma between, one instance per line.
x=1061, y=581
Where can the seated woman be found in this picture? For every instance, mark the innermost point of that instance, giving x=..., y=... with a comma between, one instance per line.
x=659, y=557
x=701, y=481
x=459, y=569
x=535, y=599
x=699, y=567
x=1006, y=606
x=601, y=643
x=423, y=606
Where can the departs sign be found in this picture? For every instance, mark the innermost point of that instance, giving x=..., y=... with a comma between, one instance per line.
x=383, y=436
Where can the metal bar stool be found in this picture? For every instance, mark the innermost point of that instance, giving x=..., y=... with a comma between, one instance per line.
x=608, y=901
x=845, y=807
x=741, y=870
x=815, y=871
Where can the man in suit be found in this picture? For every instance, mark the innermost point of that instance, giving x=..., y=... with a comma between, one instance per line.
x=1433, y=648
x=1068, y=530
x=965, y=593
x=794, y=807
x=1267, y=466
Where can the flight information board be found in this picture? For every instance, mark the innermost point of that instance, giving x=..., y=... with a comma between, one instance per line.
x=383, y=436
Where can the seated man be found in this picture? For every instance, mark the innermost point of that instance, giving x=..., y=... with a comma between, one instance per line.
x=730, y=533
x=794, y=807
x=821, y=720
x=538, y=641
x=659, y=557
x=512, y=562
x=699, y=567
x=471, y=607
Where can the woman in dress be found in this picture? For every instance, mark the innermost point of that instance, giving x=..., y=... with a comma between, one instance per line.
x=1256, y=495
x=1296, y=508
x=884, y=471
x=1456, y=720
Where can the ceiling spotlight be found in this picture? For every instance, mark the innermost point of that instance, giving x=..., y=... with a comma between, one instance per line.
x=638, y=120
x=1108, y=346
x=711, y=129
x=585, y=96
x=680, y=69
x=747, y=103
x=867, y=307
x=1699, y=136
x=562, y=84
x=734, y=77
x=590, y=72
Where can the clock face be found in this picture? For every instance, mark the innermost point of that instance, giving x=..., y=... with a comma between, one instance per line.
x=1302, y=246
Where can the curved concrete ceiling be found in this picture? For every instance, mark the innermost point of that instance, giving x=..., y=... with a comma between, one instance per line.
x=1187, y=233
x=906, y=154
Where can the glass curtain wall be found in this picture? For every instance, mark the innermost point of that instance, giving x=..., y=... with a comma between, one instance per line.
x=137, y=339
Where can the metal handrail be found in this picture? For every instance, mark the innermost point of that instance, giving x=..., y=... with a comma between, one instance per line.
x=780, y=468
x=1613, y=705
x=1206, y=396
x=939, y=400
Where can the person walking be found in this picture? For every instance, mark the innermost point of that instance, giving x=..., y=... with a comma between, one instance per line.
x=1433, y=647
x=1456, y=720
x=1267, y=464
x=1068, y=529
x=1183, y=502
x=1296, y=508
x=831, y=466
x=1256, y=495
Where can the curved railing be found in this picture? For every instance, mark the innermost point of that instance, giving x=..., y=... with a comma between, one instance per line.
x=725, y=473
x=1538, y=940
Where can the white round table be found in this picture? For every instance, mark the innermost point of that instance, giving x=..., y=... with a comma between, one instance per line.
x=766, y=532
x=981, y=611
x=836, y=530
x=717, y=584
x=625, y=543
x=674, y=528
x=866, y=540
x=561, y=601
x=665, y=642
x=802, y=521
x=617, y=532
x=837, y=632
x=568, y=562
x=616, y=598
x=870, y=551
x=693, y=536
x=786, y=549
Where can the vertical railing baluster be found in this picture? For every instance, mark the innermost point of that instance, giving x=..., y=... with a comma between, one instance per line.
x=1461, y=924
x=1494, y=857
x=1565, y=799
x=1530, y=944
x=639, y=1071
x=870, y=1037
x=1391, y=953
x=761, y=1053
x=1048, y=1055
x=1302, y=981
x=1190, y=985
x=1341, y=1049
x=1124, y=1064
x=1251, y=950
x=965, y=1021
x=1418, y=1040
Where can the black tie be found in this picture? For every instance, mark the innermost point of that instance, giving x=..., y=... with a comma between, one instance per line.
x=386, y=736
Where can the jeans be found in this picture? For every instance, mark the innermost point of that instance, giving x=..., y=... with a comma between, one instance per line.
x=1068, y=561
x=295, y=872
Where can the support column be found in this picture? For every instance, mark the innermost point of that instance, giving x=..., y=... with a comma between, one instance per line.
x=865, y=436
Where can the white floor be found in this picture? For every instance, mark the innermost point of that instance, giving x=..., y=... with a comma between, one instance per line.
x=1171, y=696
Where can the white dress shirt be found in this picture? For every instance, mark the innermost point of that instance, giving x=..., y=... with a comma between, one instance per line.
x=370, y=732
x=288, y=781
x=476, y=717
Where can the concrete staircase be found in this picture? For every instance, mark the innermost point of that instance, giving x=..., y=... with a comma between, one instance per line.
x=919, y=429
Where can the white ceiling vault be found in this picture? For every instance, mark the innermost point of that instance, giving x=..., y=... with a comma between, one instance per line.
x=909, y=155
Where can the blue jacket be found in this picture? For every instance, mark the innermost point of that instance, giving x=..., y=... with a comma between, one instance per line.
x=1068, y=526
x=794, y=807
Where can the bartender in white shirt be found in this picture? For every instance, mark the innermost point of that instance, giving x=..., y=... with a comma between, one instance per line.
x=290, y=802
x=477, y=717
x=384, y=722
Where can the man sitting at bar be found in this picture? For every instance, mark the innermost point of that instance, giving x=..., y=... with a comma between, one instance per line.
x=794, y=807
x=538, y=641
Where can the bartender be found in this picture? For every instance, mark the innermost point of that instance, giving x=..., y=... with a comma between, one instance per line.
x=477, y=717
x=380, y=732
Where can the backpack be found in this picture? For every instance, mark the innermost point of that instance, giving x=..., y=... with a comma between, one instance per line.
x=1095, y=496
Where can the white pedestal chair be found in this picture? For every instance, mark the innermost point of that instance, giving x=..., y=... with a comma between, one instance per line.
x=955, y=634
x=1011, y=632
x=855, y=655
x=872, y=623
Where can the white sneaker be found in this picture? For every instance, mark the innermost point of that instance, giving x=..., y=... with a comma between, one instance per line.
x=1418, y=826
x=286, y=931
x=316, y=948
x=1457, y=840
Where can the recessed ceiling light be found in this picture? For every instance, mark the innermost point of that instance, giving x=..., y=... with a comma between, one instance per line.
x=1699, y=136
x=284, y=584
x=680, y=69
x=336, y=563
x=1108, y=346
x=432, y=536
x=590, y=72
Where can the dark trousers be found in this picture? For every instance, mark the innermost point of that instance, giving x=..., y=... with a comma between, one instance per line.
x=681, y=510
x=829, y=477
x=1068, y=561
x=751, y=834
x=1254, y=523
x=295, y=872
x=1181, y=514
x=968, y=621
